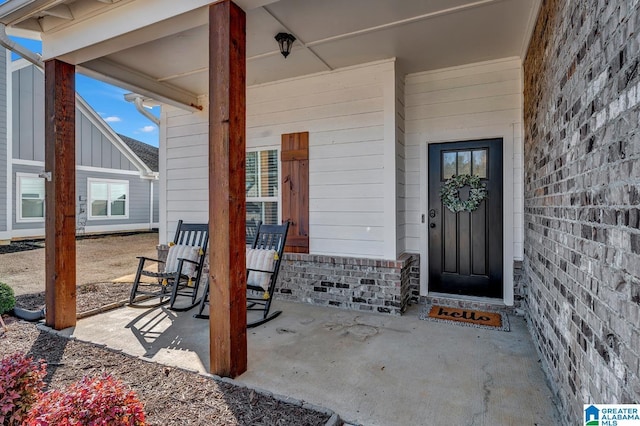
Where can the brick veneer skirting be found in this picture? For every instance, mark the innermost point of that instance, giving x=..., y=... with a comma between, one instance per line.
x=352, y=283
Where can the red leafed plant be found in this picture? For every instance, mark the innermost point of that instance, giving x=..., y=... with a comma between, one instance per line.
x=21, y=383
x=89, y=401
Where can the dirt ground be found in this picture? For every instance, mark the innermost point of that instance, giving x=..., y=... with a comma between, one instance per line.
x=98, y=260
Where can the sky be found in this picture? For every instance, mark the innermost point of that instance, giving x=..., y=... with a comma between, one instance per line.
x=108, y=101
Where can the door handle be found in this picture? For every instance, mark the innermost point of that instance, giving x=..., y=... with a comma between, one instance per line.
x=432, y=213
x=432, y=225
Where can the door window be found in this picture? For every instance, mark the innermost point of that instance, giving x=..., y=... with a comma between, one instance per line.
x=472, y=162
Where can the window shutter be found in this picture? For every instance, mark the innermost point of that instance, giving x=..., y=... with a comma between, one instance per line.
x=295, y=190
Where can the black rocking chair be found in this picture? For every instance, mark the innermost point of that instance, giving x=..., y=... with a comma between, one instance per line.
x=269, y=241
x=182, y=270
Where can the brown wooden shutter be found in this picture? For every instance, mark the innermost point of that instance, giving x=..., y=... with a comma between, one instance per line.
x=295, y=190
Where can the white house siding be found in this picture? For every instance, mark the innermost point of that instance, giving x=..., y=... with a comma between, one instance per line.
x=401, y=203
x=343, y=111
x=463, y=103
x=184, y=169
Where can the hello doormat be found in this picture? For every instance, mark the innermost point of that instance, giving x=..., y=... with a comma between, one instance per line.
x=467, y=317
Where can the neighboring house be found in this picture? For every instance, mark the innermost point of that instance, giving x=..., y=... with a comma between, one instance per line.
x=116, y=176
x=382, y=103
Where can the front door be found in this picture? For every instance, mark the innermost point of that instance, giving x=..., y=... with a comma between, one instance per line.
x=465, y=248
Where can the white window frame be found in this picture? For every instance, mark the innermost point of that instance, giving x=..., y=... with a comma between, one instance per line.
x=277, y=198
x=19, y=218
x=90, y=216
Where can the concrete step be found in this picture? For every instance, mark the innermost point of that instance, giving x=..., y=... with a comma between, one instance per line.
x=467, y=302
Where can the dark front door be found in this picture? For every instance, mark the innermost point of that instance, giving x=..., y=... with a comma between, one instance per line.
x=465, y=248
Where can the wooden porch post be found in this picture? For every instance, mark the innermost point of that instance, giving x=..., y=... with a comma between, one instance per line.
x=227, y=207
x=60, y=194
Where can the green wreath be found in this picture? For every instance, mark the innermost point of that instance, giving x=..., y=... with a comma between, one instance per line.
x=450, y=193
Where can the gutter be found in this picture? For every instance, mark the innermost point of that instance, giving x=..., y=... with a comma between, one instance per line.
x=137, y=101
x=27, y=54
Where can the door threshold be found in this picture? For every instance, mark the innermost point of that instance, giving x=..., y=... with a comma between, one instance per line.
x=467, y=302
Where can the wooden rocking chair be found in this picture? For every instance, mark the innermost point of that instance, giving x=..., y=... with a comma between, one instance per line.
x=181, y=273
x=263, y=265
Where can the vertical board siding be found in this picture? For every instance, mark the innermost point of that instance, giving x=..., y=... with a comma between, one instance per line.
x=441, y=102
x=343, y=113
x=25, y=81
x=93, y=148
x=4, y=143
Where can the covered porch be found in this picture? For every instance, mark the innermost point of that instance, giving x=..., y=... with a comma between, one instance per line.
x=370, y=369
x=365, y=95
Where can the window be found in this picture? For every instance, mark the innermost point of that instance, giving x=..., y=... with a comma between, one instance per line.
x=108, y=199
x=31, y=193
x=262, y=188
x=464, y=162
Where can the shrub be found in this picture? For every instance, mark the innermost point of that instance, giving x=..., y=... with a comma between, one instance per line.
x=7, y=299
x=21, y=383
x=89, y=401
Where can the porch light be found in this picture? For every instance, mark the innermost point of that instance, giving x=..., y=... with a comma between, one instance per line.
x=285, y=41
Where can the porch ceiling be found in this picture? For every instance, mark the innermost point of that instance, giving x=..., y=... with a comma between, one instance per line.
x=165, y=55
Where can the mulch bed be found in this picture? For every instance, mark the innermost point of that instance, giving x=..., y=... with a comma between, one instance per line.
x=18, y=246
x=88, y=296
x=171, y=396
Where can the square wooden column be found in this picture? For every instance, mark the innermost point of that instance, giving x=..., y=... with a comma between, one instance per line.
x=227, y=206
x=60, y=194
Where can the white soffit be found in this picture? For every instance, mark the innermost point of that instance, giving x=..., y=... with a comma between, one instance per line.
x=167, y=48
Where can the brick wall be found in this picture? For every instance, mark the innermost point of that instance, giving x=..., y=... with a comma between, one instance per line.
x=362, y=284
x=582, y=199
x=382, y=286
x=519, y=286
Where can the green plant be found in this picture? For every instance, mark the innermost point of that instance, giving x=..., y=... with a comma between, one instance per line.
x=450, y=193
x=7, y=298
x=21, y=383
x=90, y=401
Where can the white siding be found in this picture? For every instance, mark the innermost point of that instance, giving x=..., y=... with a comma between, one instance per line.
x=184, y=169
x=343, y=111
x=463, y=103
x=400, y=165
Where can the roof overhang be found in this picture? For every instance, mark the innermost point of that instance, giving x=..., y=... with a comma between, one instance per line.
x=159, y=48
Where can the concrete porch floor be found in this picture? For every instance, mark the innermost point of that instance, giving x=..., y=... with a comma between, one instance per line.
x=370, y=369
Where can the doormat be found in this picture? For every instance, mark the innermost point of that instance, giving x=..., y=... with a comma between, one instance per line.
x=466, y=317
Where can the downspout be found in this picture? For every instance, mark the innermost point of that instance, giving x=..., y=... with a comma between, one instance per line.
x=27, y=54
x=150, y=205
x=137, y=101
